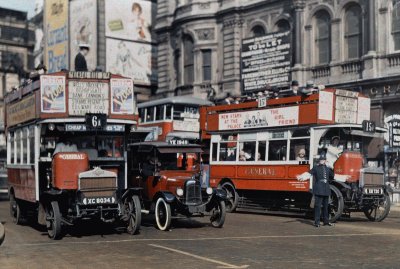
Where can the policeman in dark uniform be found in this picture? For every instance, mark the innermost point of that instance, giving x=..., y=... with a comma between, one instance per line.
x=322, y=176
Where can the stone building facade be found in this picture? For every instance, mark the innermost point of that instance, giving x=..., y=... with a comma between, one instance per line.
x=350, y=44
x=17, y=40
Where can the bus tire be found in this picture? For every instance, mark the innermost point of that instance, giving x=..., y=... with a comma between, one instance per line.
x=232, y=196
x=163, y=214
x=133, y=209
x=16, y=210
x=379, y=212
x=53, y=221
x=336, y=204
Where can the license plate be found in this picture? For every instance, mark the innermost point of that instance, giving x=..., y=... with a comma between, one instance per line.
x=98, y=200
x=373, y=191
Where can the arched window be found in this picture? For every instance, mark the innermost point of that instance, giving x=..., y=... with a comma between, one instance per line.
x=396, y=25
x=353, y=34
x=282, y=25
x=257, y=30
x=322, y=36
x=188, y=60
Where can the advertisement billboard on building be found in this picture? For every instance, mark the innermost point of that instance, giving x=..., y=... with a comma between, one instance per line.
x=56, y=35
x=129, y=19
x=131, y=59
x=266, y=61
x=83, y=30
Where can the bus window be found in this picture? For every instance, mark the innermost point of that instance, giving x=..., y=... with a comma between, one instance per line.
x=214, y=153
x=24, y=146
x=299, y=149
x=150, y=114
x=160, y=112
x=277, y=150
x=227, y=152
x=262, y=146
x=247, y=151
x=178, y=111
x=31, y=145
x=168, y=112
x=18, y=147
x=12, y=146
x=142, y=114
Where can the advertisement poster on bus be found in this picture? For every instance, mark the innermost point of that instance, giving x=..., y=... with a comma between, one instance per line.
x=56, y=33
x=266, y=61
x=83, y=30
x=259, y=118
x=133, y=60
x=129, y=19
x=52, y=93
x=87, y=97
x=122, y=96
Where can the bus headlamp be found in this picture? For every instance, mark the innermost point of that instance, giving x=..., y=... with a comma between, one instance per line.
x=179, y=191
x=52, y=126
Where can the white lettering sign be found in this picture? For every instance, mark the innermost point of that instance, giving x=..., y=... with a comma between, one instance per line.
x=88, y=97
x=259, y=118
x=325, y=106
x=186, y=125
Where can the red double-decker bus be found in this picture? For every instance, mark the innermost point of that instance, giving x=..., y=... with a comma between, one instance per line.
x=258, y=148
x=173, y=119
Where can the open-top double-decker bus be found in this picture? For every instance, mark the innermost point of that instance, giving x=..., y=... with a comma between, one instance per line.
x=66, y=150
x=173, y=119
x=259, y=148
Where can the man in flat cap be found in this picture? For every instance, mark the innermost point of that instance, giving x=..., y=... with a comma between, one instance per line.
x=80, y=60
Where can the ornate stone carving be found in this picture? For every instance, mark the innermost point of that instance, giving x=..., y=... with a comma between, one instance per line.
x=205, y=34
x=233, y=22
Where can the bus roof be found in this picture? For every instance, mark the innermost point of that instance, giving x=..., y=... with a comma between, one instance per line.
x=181, y=100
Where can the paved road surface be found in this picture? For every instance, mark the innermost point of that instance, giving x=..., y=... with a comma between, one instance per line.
x=246, y=241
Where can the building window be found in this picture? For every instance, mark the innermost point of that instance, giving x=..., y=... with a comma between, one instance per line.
x=322, y=38
x=188, y=58
x=396, y=25
x=353, y=35
x=282, y=26
x=206, y=54
x=257, y=30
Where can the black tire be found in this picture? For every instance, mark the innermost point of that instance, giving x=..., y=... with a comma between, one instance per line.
x=232, y=197
x=218, y=214
x=2, y=233
x=380, y=211
x=163, y=214
x=134, y=211
x=336, y=204
x=16, y=210
x=53, y=221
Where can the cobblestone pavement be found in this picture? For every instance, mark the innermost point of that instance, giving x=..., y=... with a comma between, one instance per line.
x=246, y=241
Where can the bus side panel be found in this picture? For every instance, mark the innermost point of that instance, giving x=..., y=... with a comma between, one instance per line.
x=261, y=177
x=23, y=183
x=308, y=113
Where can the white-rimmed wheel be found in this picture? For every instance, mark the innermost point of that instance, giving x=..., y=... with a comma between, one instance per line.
x=53, y=220
x=134, y=214
x=163, y=214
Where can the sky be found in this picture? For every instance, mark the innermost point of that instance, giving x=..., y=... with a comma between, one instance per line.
x=22, y=5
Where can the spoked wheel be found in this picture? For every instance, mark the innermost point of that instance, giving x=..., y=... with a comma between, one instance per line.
x=163, y=214
x=232, y=197
x=16, y=210
x=133, y=211
x=218, y=213
x=336, y=204
x=380, y=210
x=53, y=220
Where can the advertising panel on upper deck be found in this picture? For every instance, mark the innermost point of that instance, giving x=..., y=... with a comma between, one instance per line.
x=259, y=118
x=266, y=61
x=52, y=93
x=87, y=97
x=56, y=31
x=122, y=96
